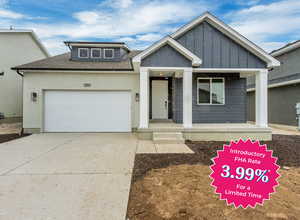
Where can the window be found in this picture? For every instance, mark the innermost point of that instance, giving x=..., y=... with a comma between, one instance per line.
x=210, y=91
x=95, y=52
x=108, y=53
x=83, y=52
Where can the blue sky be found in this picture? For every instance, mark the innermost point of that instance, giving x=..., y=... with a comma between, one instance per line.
x=139, y=23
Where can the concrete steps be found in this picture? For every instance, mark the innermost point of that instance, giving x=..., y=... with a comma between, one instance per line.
x=168, y=138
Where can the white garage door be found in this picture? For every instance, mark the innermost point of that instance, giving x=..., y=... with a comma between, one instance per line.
x=87, y=111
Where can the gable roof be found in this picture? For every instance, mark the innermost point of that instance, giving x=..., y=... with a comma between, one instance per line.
x=225, y=29
x=196, y=61
x=33, y=35
x=232, y=34
x=63, y=63
x=285, y=49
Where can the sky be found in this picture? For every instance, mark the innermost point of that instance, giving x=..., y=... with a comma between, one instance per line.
x=139, y=23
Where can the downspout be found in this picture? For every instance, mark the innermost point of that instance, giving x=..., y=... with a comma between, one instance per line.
x=19, y=73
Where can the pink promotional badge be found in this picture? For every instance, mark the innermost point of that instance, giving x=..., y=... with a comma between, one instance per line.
x=244, y=173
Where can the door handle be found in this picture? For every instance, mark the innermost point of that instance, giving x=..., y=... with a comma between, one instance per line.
x=166, y=104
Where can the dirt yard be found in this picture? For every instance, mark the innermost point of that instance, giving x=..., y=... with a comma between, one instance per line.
x=10, y=131
x=177, y=187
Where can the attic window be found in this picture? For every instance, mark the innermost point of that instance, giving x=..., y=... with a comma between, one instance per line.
x=95, y=52
x=83, y=52
x=109, y=53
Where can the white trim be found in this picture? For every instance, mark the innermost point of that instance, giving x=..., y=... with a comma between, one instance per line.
x=100, y=45
x=231, y=33
x=96, y=49
x=33, y=35
x=113, y=53
x=196, y=61
x=87, y=49
x=227, y=70
x=76, y=71
x=286, y=49
x=210, y=82
x=291, y=82
x=261, y=99
x=144, y=98
x=187, y=89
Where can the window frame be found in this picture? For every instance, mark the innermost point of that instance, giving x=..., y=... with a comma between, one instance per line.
x=92, y=49
x=210, y=95
x=113, y=53
x=79, y=49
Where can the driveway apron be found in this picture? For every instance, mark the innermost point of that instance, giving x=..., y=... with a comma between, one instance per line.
x=66, y=176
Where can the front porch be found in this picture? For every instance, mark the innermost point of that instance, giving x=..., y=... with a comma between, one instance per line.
x=218, y=120
x=208, y=131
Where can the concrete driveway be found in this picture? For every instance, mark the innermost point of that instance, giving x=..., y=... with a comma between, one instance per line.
x=66, y=176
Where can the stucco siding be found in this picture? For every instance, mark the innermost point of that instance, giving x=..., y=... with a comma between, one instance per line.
x=166, y=56
x=39, y=82
x=15, y=49
x=234, y=110
x=281, y=104
x=217, y=50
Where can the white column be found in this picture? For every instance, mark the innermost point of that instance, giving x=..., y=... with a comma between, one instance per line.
x=187, y=98
x=261, y=98
x=144, y=98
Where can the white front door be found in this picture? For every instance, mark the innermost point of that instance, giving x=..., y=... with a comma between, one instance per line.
x=87, y=111
x=160, y=99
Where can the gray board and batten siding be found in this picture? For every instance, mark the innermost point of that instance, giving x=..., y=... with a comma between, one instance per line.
x=233, y=111
x=166, y=56
x=281, y=104
x=214, y=48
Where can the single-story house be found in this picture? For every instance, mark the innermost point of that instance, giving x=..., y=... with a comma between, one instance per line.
x=284, y=87
x=17, y=46
x=191, y=84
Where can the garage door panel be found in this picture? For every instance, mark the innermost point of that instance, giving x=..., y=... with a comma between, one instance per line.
x=87, y=111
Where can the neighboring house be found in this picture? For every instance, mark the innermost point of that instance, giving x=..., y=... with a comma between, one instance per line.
x=193, y=82
x=16, y=47
x=284, y=87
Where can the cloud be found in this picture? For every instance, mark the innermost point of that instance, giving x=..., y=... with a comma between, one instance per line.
x=146, y=20
x=117, y=3
x=266, y=22
x=10, y=14
x=150, y=37
x=6, y=13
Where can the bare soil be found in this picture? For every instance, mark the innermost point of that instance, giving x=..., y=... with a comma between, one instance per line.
x=177, y=186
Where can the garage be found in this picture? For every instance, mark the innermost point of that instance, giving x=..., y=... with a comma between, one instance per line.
x=87, y=111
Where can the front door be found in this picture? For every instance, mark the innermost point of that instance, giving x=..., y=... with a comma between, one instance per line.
x=160, y=99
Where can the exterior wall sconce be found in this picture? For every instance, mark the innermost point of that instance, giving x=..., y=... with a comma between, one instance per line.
x=34, y=96
x=137, y=97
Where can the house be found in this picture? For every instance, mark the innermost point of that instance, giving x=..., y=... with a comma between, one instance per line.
x=191, y=84
x=284, y=87
x=16, y=47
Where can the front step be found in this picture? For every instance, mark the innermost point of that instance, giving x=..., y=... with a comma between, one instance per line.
x=168, y=138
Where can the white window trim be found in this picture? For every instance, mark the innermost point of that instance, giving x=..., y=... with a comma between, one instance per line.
x=79, y=49
x=113, y=54
x=92, y=52
x=210, y=81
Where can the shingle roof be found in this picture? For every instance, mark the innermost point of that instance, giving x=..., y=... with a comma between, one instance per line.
x=63, y=62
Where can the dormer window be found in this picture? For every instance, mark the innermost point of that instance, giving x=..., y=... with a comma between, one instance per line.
x=95, y=53
x=109, y=53
x=83, y=53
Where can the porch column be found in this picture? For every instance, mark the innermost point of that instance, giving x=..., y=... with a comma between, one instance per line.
x=261, y=98
x=187, y=98
x=144, y=98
